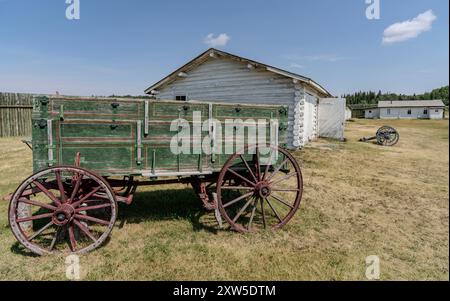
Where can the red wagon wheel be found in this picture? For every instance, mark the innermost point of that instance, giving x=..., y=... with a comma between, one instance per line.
x=67, y=209
x=259, y=188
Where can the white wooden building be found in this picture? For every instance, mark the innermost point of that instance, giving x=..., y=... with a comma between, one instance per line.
x=407, y=109
x=348, y=113
x=219, y=76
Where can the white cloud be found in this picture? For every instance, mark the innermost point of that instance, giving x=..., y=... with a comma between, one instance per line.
x=402, y=31
x=219, y=41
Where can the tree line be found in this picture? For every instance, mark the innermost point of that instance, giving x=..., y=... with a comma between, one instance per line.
x=370, y=97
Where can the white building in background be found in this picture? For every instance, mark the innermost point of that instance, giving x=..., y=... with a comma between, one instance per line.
x=218, y=76
x=407, y=109
x=348, y=113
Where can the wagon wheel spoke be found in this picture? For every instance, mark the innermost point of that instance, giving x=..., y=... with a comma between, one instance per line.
x=242, y=210
x=47, y=192
x=85, y=230
x=87, y=196
x=277, y=169
x=34, y=217
x=91, y=219
x=55, y=238
x=73, y=241
x=37, y=203
x=244, y=196
x=248, y=168
x=263, y=213
x=241, y=177
x=266, y=170
x=284, y=178
x=80, y=209
x=252, y=216
x=257, y=166
x=237, y=188
x=76, y=188
x=62, y=192
x=286, y=189
x=273, y=209
x=279, y=199
x=40, y=231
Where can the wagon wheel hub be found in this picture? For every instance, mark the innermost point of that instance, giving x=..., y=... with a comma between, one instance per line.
x=263, y=189
x=63, y=215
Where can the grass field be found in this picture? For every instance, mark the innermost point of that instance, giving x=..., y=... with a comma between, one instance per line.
x=360, y=199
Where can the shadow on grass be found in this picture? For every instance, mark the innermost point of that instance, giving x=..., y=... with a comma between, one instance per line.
x=168, y=204
x=18, y=248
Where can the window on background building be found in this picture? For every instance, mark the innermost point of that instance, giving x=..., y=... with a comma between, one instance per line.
x=409, y=111
x=425, y=111
x=180, y=97
x=370, y=112
x=389, y=111
x=437, y=111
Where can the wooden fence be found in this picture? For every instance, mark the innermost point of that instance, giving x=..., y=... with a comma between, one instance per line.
x=15, y=114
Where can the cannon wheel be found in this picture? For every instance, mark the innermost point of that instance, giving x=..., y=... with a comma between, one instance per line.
x=70, y=210
x=387, y=136
x=252, y=196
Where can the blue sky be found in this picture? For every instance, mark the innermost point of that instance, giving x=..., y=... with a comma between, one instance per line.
x=122, y=47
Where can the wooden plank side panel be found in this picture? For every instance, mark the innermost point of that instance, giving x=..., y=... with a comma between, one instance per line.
x=170, y=110
x=40, y=151
x=249, y=115
x=92, y=130
x=97, y=108
x=101, y=158
x=110, y=146
x=164, y=126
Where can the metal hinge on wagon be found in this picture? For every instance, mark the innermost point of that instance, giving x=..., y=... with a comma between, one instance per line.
x=50, y=147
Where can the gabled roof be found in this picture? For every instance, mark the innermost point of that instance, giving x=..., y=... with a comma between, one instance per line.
x=219, y=53
x=410, y=103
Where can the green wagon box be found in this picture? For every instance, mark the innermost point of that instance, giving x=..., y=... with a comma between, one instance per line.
x=90, y=153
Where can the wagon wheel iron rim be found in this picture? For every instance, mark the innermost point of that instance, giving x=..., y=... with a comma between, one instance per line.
x=70, y=209
x=265, y=192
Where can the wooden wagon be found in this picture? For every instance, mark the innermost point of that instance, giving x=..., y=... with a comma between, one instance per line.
x=89, y=154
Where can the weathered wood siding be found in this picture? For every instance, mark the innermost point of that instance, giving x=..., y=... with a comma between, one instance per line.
x=15, y=114
x=231, y=81
x=226, y=80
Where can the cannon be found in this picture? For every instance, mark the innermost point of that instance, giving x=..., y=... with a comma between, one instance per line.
x=386, y=135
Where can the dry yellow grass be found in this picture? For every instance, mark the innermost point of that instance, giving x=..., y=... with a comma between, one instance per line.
x=360, y=199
